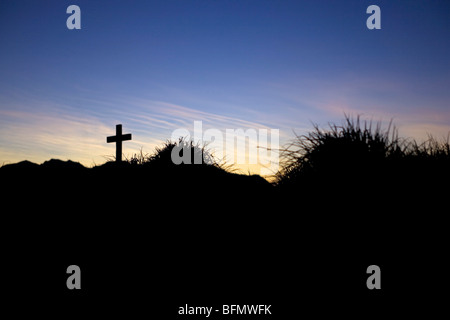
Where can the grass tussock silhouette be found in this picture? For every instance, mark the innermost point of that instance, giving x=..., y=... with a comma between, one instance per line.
x=359, y=153
x=359, y=191
x=164, y=155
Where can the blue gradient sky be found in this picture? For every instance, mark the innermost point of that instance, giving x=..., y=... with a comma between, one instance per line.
x=156, y=66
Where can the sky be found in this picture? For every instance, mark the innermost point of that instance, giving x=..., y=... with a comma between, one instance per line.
x=158, y=66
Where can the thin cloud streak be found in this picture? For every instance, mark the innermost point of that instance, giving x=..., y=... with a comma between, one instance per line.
x=40, y=136
x=62, y=131
x=37, y=129
x=415, y=116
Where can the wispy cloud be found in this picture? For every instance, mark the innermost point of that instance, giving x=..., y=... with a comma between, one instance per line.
x=38, y=136
x=414, y=113
x=48, y=129
x=36, y=128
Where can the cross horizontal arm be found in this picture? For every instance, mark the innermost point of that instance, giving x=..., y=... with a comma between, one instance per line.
x=124, y=137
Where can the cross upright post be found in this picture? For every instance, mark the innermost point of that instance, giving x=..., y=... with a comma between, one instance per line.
x=118, y=138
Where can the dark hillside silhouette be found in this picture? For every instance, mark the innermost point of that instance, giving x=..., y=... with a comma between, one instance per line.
x=346, y=198
x=368, y=195
x=364, y=168
x=184, y=221
x=363, y=161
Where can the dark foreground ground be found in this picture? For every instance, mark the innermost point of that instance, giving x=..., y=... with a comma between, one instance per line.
x=151, y=240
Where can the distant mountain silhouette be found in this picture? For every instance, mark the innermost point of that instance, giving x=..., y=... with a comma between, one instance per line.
x=23, y=165
x=63, y=165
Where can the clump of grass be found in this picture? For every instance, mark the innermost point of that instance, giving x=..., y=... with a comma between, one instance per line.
x=431, y=149
x=359, y=150
x=338, y=148
x=162, y=156
x=139, y=158
x=197, y=154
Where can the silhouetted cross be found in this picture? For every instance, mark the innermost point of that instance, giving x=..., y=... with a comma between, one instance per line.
x=118, y=138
